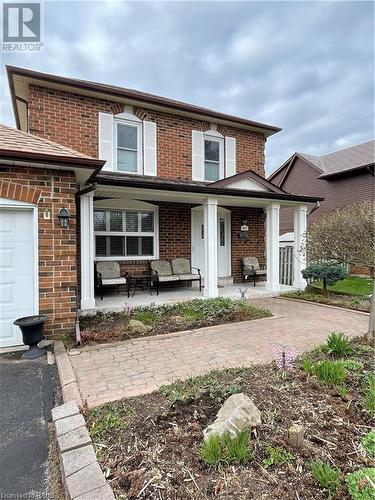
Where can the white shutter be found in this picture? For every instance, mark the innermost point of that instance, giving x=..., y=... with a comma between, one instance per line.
x=106, y=145
x=149, y=145
x=230, y=156
x=197, y=155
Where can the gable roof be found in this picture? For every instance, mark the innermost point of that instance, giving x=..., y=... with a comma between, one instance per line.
x=229, y=182
x=16, y=144
x=336, y=163
x=19, y=78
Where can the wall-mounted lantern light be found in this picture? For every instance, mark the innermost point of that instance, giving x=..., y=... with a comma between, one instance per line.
x=64, y=217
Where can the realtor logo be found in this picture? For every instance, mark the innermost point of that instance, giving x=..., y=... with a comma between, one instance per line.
x=22, y=27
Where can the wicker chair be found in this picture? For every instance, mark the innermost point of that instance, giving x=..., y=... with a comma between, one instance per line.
x=109, y=274
x=251, y=270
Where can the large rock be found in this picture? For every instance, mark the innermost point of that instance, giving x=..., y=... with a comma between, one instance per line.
x=237, y=414
x=136, y=326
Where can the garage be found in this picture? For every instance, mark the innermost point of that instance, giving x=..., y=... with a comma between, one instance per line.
x=18, y=268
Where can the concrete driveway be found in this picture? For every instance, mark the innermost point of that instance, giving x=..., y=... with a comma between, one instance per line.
x=112, y=371
x=27, y=395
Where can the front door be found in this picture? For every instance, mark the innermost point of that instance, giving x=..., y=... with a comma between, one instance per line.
x=223, y=241
x=17, y=272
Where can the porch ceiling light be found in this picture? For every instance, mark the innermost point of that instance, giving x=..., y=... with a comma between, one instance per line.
x=64, y=217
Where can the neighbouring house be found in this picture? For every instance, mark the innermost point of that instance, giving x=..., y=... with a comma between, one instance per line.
x=342, y=178
x=141, y=177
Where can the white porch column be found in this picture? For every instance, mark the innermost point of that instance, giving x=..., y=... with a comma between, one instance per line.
x=87, y=251
x=299, y=256
x=272, y=247
x=210, y=248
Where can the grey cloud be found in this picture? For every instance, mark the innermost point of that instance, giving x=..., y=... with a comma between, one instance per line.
x=305, y=66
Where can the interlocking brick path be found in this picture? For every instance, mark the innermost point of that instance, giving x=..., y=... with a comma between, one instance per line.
x=123, y=369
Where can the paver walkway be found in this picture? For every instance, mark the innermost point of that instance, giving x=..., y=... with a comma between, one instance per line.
x=112, y=371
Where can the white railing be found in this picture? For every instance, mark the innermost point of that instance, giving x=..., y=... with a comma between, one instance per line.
x=286, y=265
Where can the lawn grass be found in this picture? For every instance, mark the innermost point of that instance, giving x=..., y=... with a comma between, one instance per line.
x=352, y=285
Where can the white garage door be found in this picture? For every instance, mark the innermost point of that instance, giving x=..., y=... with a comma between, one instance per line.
x=17, y=292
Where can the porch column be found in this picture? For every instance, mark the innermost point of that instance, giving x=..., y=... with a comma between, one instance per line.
x=272, y=247
x=87, y=251
x=210, y=248
x=299, y=256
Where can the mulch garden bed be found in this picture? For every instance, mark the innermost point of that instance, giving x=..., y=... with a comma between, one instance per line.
x=149, y=446
x=313, y=294
x=113, y=326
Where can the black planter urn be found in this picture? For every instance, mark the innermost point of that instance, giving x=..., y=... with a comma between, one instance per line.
x=32, y=333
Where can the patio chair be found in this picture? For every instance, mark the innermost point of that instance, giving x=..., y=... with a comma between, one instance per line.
x=179, y=270
x=251, y=270
x=109, y=274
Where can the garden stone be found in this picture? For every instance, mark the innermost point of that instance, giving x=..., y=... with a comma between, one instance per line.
x=295, y=435
x=65, y=410
x=237, y=414
x=136, y=326
x=68, y=424
x=179, y=320
x=75, y=460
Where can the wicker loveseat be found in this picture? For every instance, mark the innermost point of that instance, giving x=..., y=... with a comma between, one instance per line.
x=251, y=270
x=177, y=270
x=109, y=274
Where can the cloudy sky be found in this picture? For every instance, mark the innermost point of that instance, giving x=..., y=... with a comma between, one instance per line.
x=307, y=67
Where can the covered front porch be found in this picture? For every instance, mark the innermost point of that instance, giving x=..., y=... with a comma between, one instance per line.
x=134, y=221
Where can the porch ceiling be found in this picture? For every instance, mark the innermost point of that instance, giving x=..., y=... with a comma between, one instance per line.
x=135, y=193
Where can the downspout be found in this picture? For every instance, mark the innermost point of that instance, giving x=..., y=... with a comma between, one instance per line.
x=317, y=205
x=86, y=190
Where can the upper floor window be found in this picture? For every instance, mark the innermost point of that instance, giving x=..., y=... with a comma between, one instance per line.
x=211, y=160
x=128, y=151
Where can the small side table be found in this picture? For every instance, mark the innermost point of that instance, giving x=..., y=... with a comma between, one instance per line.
x=140, y=281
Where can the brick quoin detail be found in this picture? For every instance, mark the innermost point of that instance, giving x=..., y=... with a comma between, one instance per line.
x=14, y=191
x=57, y=246
x=72, y=120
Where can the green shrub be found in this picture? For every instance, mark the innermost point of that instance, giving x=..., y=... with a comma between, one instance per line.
x=368, y=443
x=369, y=394
x=277, y=456
x=307, y=365
x=338, y=345
x=327, y=476
x=361, y=484
x=212, y=451
x=352, y=365
x=327, y=272
x=330, y=372
x=217, y=450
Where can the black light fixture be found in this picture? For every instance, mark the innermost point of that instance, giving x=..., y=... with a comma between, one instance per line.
x=64, y=217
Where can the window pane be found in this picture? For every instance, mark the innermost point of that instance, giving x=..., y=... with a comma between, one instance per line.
x=126, y=160
x=132, y=222
x=211, y=171
x=99, y=220
x=132, y=244
x=100, y=246
x=127, y=136
x=222, y=232
x=116, y=245
x=147, y=245
x=147, y=220
x=211, y=150
x=115, y=220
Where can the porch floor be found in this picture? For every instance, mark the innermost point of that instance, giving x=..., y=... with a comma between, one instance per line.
x=116, y=301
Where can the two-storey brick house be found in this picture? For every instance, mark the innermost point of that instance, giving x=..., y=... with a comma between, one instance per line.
x=178, y=181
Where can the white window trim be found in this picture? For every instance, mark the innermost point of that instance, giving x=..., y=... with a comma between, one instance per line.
x=133, y=122
x=155, y=235
x=214, y=136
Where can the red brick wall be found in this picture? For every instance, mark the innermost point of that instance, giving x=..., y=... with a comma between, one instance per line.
x=72, y=120
x=57, y=246
x=255, y=246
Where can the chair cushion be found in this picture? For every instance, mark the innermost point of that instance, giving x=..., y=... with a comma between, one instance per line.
x=261, y=272
x=109, y=269
x=250, y=263
x=162, y=267
x=168, y=278
x=114, y=281
x=189, y=277
x=181, y=266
